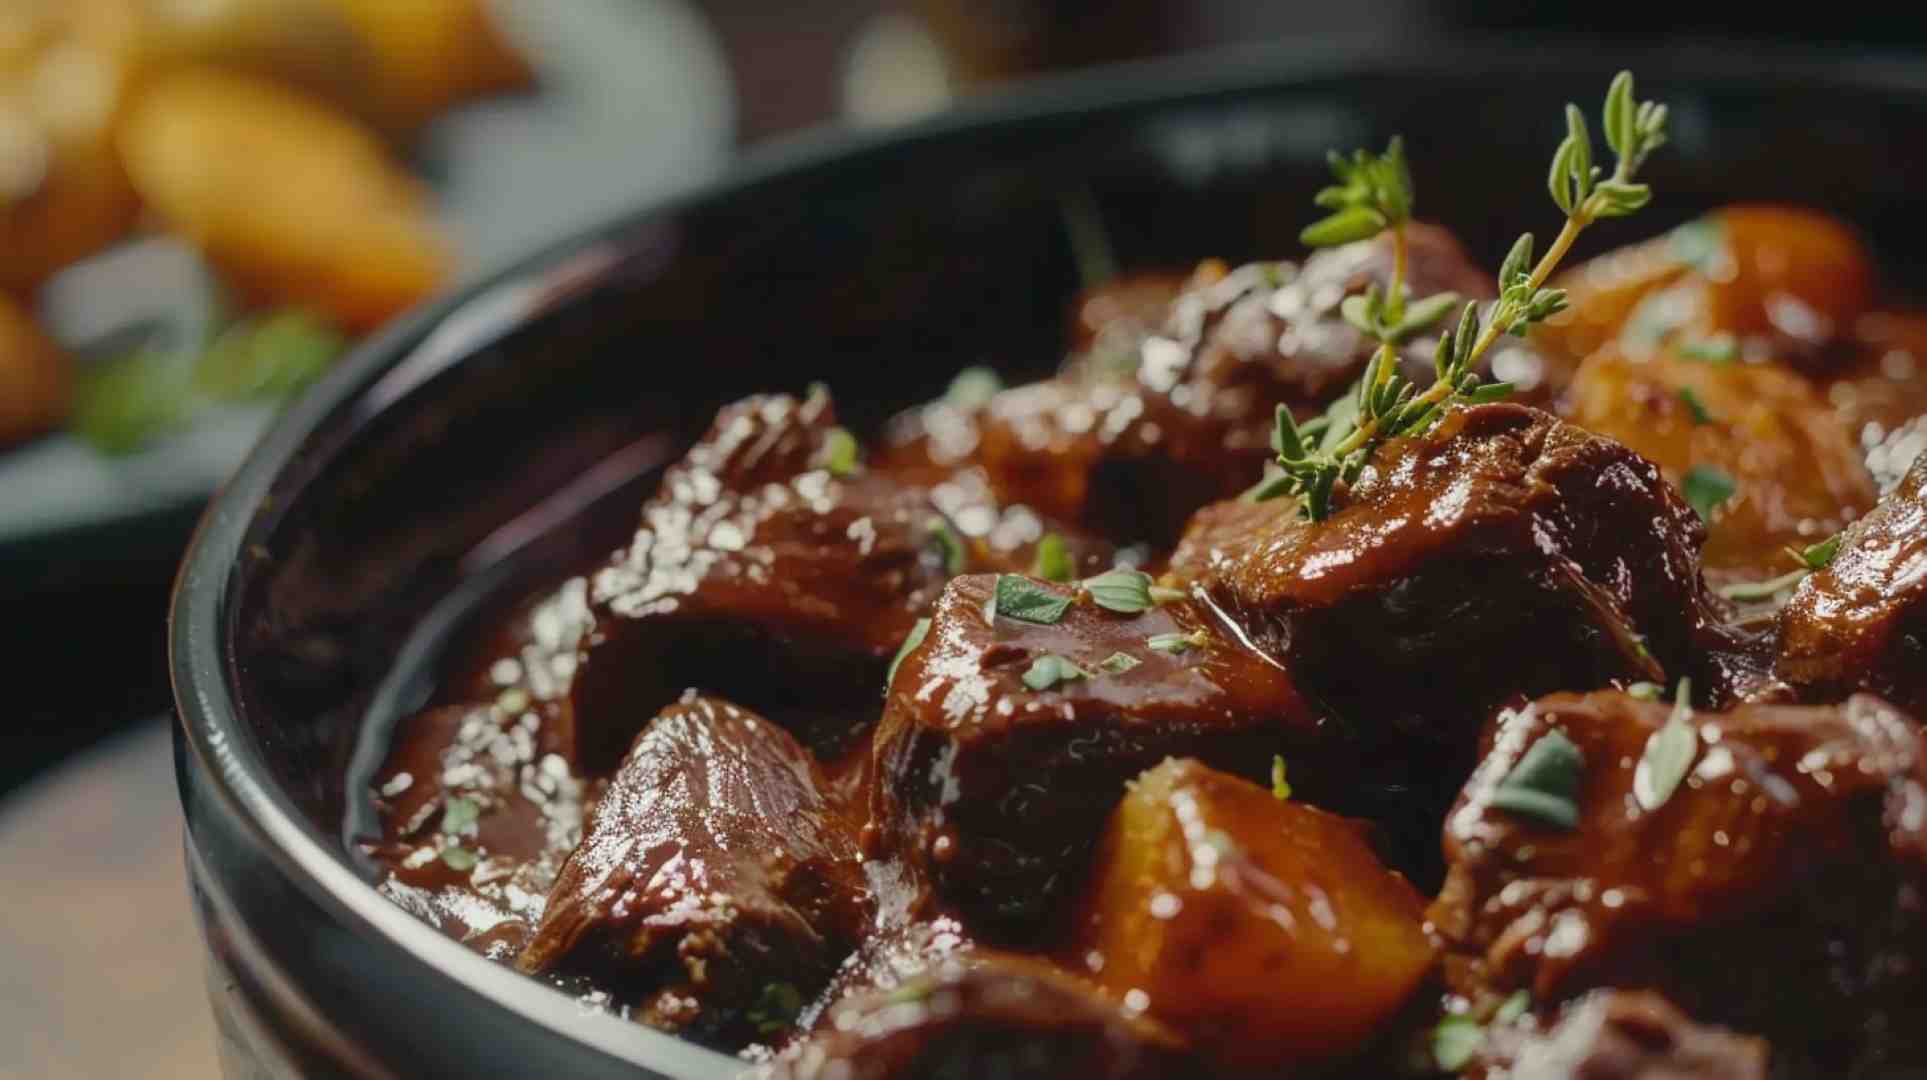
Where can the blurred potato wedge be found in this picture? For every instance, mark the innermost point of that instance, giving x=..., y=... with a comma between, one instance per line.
x=63, y=194
x=307, y=44
x=36, y=378
x=433, y=54
x=1266, y=931
x=1796, y=469
x=292, y=201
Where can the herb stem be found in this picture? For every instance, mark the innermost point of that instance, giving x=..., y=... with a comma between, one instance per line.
x=1396, y=297
x=1501, y=321
x=1747, y=591
x=1368, y=426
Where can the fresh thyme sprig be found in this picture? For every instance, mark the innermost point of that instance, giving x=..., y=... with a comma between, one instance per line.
x=1374, y=193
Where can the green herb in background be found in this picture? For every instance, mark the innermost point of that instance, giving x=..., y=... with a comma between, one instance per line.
x=1118, y=663
x=950, y=546
x=121, y=405
x=268, y=357
x=1695, y=407
x=839, y=452
x=1718, y=349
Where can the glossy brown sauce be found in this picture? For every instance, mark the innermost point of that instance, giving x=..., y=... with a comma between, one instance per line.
x=801, y=849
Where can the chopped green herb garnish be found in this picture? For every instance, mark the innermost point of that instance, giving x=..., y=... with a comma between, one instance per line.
x=839, y=452
x=1053, y=559
x=1706, y=488
x=1118, y=663
x=1718, y=349
x=914, y=990
x=1455, y=1040
x=1817, y=556
x=776, y=1008
x=460, y=859
x=1177, y=643
x=973, y=388
x=1459, y=1037
x=459, y=815
x=1280, y=787
x=1129, y=592
x=1694, y=406
x=910, y=641
x=1811, y=558
x=1544, y=785
x=1645, y=691
x=950, y=546
x=1018, y=597
x=1669, y=753
x=1050, y=669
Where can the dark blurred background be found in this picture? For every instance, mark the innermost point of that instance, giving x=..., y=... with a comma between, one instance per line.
x=82, y=609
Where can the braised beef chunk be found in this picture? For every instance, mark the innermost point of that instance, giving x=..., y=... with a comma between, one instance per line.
x=1140, y=432
x=1860, y=622
x=714, y=868
x=1620, y=1035
x=762, y=570
x=996, y=764
x=1768, y=880
x=1504, y=552
x=987, y=1015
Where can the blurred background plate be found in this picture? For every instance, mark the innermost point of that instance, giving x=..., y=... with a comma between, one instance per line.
x=635, y=102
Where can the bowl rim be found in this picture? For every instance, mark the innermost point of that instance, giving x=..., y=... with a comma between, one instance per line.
x=209, y=720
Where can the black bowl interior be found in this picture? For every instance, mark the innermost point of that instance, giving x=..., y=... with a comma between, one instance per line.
x=509, y=434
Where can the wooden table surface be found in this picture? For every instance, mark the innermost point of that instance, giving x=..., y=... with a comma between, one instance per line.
x=100, y=960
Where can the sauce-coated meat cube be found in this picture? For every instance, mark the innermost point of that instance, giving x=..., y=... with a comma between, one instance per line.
x=996, y=767
x=715, y=866
x=1860, y=622
x=987, y=1015
x=1761, y=867
x=1503, y=552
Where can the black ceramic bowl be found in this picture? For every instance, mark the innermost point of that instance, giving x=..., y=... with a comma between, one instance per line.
x=510, y=432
